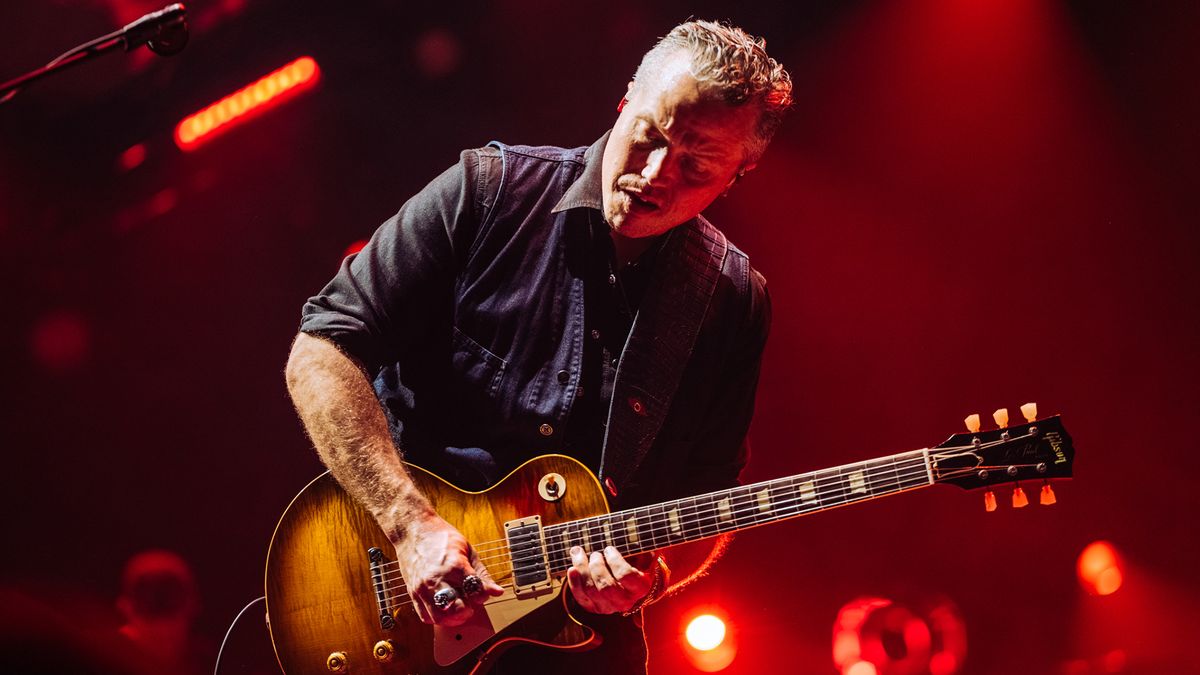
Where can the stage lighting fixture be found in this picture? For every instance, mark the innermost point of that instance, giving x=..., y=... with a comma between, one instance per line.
x=247, y=102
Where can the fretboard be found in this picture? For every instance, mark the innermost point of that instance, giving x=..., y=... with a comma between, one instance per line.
x=680, y=521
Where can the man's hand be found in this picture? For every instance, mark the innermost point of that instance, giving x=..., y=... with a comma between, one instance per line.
x=434, y=556
x=606, y=583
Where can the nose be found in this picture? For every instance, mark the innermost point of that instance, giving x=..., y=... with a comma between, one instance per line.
x=656, y=163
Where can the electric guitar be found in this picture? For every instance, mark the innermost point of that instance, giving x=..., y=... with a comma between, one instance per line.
x=336, y=601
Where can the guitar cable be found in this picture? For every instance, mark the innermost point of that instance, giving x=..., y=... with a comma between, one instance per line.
x=217, y=665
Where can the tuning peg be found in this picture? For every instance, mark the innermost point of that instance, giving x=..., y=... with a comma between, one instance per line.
x=1001, y=417
x=1047, y=498
x=1019, y=498
x=1029, y=412
x=989, y=501
x=972, y=422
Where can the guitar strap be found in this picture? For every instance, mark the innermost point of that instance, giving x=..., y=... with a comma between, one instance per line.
x=660, y=345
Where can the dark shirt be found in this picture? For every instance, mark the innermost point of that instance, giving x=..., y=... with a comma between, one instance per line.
x=474, y=310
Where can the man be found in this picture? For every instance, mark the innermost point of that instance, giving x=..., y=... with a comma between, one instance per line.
x=538, y=300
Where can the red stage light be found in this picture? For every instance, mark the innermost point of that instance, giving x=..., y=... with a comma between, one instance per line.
x=354, y=247
x=1099, y=568
x=708, y=641
x=705, y=632
x=266, y=93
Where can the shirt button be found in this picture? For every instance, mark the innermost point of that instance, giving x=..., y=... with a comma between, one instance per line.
x=637, y=406
x=563, y=377
x=612, y=280
x=595, y=334
x=545, y=429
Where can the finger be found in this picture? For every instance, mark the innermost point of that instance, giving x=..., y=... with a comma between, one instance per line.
x=628, y=576
x=452, y=614
x=575, y=580
x=601, y=576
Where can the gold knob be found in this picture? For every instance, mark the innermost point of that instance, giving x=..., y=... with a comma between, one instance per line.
x=385, y=651
x=337, y=662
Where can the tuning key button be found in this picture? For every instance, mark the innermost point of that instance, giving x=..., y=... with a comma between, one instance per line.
x=1001, y=417
x=1019, y=498
x=1047, y=498
x=972, y=422
x=1029, y=412
x=989, y=501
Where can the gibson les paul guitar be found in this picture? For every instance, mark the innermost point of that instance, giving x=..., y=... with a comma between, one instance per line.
x=336, y=601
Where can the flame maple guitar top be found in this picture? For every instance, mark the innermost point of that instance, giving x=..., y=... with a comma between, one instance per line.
x=321, y=599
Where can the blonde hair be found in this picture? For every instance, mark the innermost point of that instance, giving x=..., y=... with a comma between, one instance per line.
x=734, y=67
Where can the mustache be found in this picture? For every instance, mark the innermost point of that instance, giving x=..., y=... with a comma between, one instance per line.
x=634, y=183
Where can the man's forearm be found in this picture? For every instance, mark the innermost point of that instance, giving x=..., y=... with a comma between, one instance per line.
x=346, y=424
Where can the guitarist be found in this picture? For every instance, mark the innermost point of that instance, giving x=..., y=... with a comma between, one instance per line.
x=535, y=300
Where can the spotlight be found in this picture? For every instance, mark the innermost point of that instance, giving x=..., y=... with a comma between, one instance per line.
x=708, y=639
x=1100, y=569
x=706, y=632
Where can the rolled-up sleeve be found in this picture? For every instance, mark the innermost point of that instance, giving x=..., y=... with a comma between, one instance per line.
x=386, y=297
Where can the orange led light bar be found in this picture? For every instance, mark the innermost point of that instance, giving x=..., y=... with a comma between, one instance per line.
x=249, y=101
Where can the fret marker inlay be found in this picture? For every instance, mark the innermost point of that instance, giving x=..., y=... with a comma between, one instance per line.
x=857, y=483
x=808, y=492
x=724, y=511
x=764, y=500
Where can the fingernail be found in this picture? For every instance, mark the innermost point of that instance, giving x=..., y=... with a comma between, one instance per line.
x=576, y=550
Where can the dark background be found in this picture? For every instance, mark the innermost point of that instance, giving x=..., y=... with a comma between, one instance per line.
x=973, y=205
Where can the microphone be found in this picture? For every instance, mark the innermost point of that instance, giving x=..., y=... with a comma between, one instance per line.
x=165, y=32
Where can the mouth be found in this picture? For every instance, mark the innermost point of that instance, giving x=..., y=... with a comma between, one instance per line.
x=639, y=203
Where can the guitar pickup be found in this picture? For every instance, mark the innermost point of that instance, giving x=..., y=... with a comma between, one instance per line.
x=527, y=550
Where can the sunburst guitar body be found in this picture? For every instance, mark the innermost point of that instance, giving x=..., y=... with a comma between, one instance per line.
x=331, y=607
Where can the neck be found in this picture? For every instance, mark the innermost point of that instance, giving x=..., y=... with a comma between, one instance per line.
x=628, y=249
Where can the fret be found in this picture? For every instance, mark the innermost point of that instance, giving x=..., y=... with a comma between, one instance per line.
x=745, y=507
x=651, y=527
x=595, y=535
x=785, y=497
x=831, y=488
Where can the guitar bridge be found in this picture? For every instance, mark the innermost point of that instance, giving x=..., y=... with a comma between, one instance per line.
x=527, y=550
x=386, y=620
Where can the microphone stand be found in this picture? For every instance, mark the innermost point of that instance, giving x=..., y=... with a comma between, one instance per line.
x=165, y=32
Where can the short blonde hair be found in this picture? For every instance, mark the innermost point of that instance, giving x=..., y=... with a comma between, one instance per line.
x=734, y=67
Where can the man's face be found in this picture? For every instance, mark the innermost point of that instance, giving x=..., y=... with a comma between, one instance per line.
x=671, y=152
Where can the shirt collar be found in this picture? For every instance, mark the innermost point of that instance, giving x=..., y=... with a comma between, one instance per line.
x=586, y=191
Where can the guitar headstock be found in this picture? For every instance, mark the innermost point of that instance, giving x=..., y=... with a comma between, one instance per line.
x=1038, y=450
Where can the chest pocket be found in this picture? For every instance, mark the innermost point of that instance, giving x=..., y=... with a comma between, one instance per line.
x=478, y=373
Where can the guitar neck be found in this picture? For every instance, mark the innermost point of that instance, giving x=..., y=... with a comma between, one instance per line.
x=690, y=519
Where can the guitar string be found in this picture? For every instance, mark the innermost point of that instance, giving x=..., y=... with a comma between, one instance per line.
x=698, y=523
x=395, y=590
x=821, y=494
x=488, y=547
x=872, y=479
x=399, y=589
